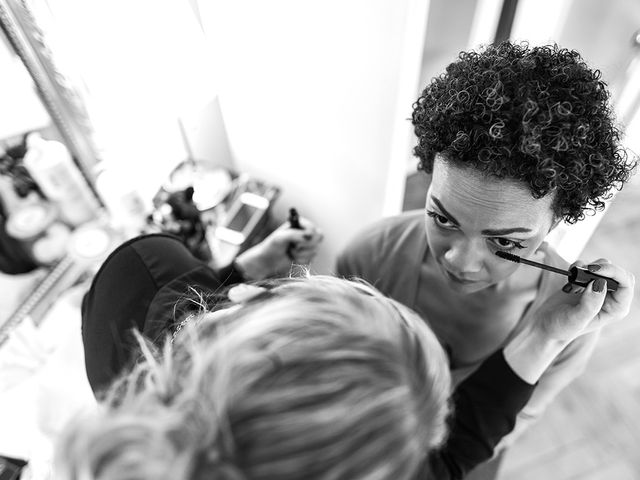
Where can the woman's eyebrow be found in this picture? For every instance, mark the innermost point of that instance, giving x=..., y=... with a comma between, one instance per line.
x=444, y=210
x=505, y=231
x=489, y=231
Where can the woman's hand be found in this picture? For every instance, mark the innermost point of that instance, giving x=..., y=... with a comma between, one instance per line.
x=565, y=316
x=576, y=311
x=282, y=248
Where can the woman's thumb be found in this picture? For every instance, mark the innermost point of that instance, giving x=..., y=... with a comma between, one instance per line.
x=592, y=298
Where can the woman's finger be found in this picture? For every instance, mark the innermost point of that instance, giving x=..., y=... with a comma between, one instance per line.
x=591, y=300
x=308, y=232
x=299, y=237
x=305, y=223
x=310, y=240
x=571, y=288
x=600, y=261
x=290, y=235
x=604, y=268
x=578, y=263
x=309, y=227
x=302, y=259
x=617, y=303
x=304, y=253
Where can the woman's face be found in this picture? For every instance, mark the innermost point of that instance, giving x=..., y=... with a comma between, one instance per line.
x=469, y=217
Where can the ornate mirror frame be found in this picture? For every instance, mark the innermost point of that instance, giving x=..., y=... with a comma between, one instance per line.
x=56, y=91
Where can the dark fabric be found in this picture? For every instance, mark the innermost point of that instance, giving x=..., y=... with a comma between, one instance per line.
x=486, y=405
x=141, y=285
x=488, y=470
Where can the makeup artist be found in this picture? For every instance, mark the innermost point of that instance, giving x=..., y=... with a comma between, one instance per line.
x=517, y=139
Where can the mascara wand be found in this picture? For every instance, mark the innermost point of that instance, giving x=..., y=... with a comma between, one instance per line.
x=294, y=222
x=576, y=275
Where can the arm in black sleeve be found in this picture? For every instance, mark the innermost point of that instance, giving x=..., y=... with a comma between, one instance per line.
x=485, y=408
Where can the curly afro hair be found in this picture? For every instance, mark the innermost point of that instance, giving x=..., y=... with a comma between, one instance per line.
x=539, y=115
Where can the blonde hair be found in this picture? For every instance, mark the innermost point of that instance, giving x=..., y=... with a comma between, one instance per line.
x=321, y=378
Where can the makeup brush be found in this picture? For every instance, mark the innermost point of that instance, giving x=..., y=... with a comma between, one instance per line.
x=294, y=222
x=577, y=275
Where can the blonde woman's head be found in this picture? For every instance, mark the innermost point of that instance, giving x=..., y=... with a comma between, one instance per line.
x=319, y=378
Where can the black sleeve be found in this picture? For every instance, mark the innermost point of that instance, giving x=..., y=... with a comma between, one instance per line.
x=485, y=408
x=136, y=287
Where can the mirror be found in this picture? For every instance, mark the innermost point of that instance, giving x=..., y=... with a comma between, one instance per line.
x=47, y=159
x=56, y=91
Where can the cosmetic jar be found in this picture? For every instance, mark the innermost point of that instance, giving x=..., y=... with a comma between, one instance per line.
x=36, y=227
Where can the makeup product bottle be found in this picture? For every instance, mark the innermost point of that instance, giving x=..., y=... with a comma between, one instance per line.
x=53, y=169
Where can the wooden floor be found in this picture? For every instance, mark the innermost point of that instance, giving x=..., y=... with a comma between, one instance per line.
x=592, y=430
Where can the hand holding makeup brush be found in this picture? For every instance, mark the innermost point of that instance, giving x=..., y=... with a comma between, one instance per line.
x=597, y=277
x=274, y=255
x=617, y=303
x=562, y=318
x=567, y=317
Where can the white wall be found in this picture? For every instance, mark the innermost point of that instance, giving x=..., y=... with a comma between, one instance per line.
x=309, y=93
x=143, y=66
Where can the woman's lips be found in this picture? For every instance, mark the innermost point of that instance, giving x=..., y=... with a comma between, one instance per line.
x=457, y=279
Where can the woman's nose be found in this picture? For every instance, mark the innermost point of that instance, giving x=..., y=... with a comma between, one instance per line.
x=464, y=257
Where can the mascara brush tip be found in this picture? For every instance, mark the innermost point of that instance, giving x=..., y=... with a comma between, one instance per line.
x=517, y=259
x=508, y=256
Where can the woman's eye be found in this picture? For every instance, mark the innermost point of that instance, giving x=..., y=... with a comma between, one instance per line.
x=439, y=220
x=505, y=244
